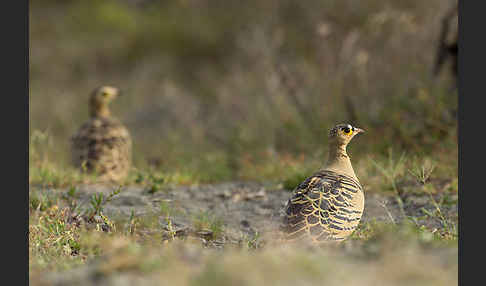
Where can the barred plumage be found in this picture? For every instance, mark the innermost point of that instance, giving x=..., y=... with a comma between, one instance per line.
x=102, y=145
x=328, y=205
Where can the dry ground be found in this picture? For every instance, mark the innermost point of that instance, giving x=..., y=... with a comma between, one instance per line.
x=214, y=234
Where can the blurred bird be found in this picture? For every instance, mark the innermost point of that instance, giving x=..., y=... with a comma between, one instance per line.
x=328, y=205
x=102, y=145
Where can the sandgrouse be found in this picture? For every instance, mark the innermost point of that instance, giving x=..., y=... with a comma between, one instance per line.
x=102, y=145
x=328, y=205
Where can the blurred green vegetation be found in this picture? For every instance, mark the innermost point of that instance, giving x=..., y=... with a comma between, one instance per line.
x=244, y=89
x=378, y=253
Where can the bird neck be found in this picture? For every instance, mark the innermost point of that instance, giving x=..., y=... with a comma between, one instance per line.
x=338, y=160
x=99, y=110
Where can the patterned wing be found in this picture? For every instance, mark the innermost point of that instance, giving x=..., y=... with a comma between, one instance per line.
x=104, y=146
x=326, y=206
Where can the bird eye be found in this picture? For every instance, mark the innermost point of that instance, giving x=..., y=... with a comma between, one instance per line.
x=346, y=130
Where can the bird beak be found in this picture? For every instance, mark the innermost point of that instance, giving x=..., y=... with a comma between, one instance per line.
x=358, y=130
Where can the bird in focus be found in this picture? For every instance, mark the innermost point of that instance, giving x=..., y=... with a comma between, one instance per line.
x=102, y=145
x=328, y=205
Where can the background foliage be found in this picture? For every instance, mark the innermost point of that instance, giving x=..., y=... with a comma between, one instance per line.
x=243, y=89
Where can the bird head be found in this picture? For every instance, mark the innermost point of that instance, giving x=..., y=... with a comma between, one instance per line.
x=100, y=99
x=343, y=133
